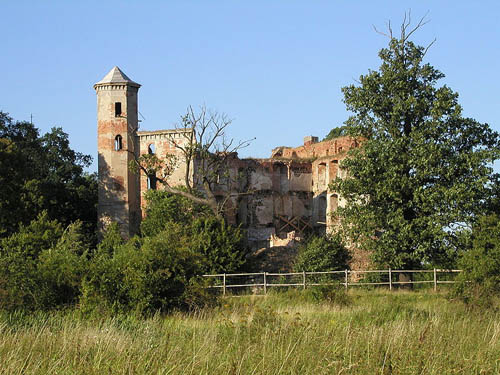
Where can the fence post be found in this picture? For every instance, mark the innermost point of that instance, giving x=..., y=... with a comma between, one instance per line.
x=390, y=279
x=346, y=279
x=265, y=283
x=304, y=279
x=435, y=280
x=224, y=285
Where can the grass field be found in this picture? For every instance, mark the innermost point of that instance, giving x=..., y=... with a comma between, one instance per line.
x=378, y=332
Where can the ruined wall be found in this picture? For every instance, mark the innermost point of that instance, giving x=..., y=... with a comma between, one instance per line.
x=161, y=143
x=312, y=149
x=283, y=197
x=268, y=193
x=276, y=199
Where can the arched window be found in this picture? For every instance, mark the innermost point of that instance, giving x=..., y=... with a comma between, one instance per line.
x=151, y=149
x=118, y=143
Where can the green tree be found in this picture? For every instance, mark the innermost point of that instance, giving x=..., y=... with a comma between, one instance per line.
x=336, y=132
x=11, y=184
x=42, y=173
x=423, y=169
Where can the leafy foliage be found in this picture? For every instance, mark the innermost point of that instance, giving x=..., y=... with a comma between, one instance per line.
x=41, y=267
x=163, y=207
x=336, y=132
x=156, y=273
x=60, y=269
x=222, y=246
x=40, y=173
x=480, y=279
x=423, y=169
x=322, y=254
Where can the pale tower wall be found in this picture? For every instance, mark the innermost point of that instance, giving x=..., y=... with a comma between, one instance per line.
x=162, y=143
x=117, y=124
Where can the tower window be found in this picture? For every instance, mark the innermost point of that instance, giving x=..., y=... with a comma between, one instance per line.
x=151, y=183
x=118, y=143
x=151, y=149
x=118, y=109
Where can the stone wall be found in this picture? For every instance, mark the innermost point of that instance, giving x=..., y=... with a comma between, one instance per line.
x=163, y=142
x=281, y=198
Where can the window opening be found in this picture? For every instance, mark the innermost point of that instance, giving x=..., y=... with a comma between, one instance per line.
x=322, y=210
x=118, y=109
x=118, y=143
x=334, y=202
x=322, y=174
x=152, y=181
x=151, y=149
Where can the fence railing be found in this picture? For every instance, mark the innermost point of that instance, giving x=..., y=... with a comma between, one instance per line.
x=260, y=281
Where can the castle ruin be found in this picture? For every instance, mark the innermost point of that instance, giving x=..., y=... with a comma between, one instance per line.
x=288, y=192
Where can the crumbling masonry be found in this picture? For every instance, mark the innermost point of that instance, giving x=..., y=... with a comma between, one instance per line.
x=288, y=192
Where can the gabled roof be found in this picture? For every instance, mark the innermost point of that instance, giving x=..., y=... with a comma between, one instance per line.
x=115, y=75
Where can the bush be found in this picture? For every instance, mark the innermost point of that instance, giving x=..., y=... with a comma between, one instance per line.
x=322, y=254
x=19, y=253
x=221, y=245
x=156, y=273
x=60, y=270
x=163, y=207
x=41, y=267
x=480, y=280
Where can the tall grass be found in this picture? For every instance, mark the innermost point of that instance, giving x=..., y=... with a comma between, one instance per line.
x=282, y=333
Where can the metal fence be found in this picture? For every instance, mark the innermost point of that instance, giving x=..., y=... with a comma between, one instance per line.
x=258, y=283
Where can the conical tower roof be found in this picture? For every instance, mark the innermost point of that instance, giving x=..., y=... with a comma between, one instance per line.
x=115, y=75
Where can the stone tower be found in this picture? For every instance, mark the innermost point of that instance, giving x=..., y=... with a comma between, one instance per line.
x=117, y=143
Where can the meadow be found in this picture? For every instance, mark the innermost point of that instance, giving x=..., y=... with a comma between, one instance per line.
x=367, y=332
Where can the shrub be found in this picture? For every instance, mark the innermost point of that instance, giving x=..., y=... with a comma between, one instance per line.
x=60, y=269
x=157, y=273
x=322, y=254
x=163, y=207
x=480, y=280
x=111, y=240
x=222, y=246
x=41, y=234
x=19, y=253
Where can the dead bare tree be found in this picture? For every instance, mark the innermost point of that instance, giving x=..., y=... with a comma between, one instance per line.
x=205, y=150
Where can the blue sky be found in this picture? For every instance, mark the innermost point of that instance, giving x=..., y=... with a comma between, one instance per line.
x=275, y=67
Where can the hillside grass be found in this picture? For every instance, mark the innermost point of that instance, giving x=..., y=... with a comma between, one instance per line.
x=372, y=332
